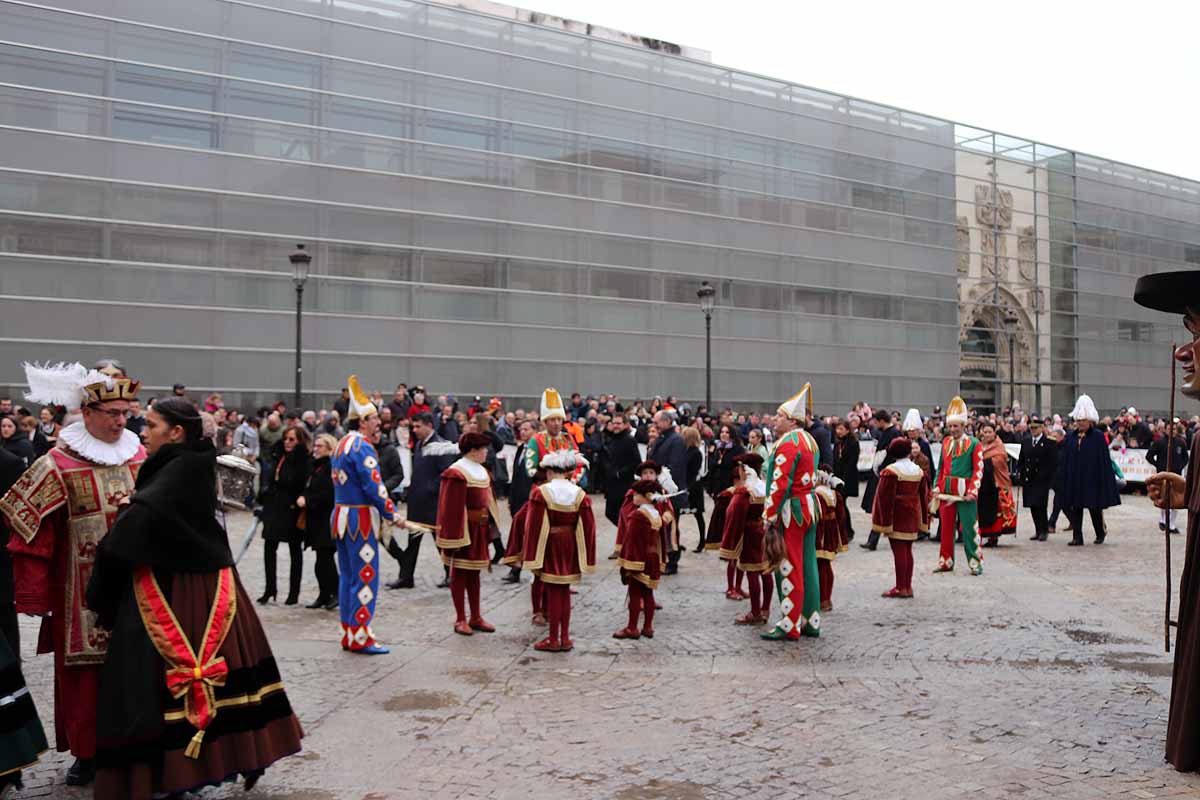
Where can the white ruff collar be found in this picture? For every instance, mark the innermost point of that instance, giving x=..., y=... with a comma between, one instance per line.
x=76, y=437
x=561, y=491
x=474, y=471
x=907, y=468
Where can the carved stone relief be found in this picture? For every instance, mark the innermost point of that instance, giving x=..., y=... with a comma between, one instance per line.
x=1026, y=252
x=962, y=239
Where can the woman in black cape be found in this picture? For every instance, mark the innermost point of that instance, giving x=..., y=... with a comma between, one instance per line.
x=190, y=694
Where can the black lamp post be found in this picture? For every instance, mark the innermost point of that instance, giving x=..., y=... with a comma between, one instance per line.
x=708, y=301
x=300, y=262
x=1010, y=325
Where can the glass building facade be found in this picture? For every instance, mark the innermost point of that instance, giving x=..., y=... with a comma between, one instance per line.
x=494, y=206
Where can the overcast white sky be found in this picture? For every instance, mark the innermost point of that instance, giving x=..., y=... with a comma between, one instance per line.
x=1118, y=80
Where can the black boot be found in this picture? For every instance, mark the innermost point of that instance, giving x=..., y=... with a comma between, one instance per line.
x=318, y=603
x=81, y=773
x=513, y=576
x=497, y=551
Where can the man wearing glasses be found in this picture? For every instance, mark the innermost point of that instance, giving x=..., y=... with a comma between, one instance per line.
x=57, y=512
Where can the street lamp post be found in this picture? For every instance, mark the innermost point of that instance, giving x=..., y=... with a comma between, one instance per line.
x=1010, y=325
x=300, y=263
x=708, y=300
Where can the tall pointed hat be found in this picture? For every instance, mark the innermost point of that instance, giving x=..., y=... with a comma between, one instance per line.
x=552, y=405
x=361, y=406
x=798, y=405
x=956, y=411
x=1085, y=409
x=912, y=420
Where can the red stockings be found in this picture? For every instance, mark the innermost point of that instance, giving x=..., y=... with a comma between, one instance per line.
x=558, y=610
x=825, y=573
x=733, y=577
x=537, y=595
x=755, y=593
x=903, y=557
x=768, y=588
x=641, y=603
x=464, y=589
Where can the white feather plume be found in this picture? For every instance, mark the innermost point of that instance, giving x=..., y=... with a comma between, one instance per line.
x=56, y=384
x=667, y=482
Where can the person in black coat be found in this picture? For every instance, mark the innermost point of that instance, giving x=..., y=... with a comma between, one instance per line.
x=1088, y=478
x=885, y=431
x=11, y=468
x=622, y=456
x=720, y=459
x=845, y=467
x=280, y=512
x=670, y=451
x=695, y=463
x=1157, y=458
x=15, y=441
x=1036, y=468
x=431, y=455
x=317, y=502
x=391, y=468
x=519, y=488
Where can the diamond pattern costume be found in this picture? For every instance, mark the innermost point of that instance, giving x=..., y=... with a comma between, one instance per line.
x=957, y=486
x=361, y=502
x=791, y=479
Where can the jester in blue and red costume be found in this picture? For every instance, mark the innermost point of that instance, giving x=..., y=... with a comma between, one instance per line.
x=791, y=506
x=361, y=504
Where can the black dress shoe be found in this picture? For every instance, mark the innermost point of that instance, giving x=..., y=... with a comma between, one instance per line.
x=513, y=576
x=396, y=584
x=1100, y=538
x=331, y=605
x=81, y=773
x=1075, y=543
x=444, y=583
x=671, y=569
x=291, y=600
x=1041, y=537
x=867, y=546
x=318, y=603
x=266, y=598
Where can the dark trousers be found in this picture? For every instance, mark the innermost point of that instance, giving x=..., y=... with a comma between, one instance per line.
x=1041, y=525
x=325, y=569
x=1075, y=515
x=1058, y=509
x=407, y=559
x=296, y=550
x=9, y=628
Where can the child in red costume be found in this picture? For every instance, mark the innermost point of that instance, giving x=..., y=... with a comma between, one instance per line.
x=901, y=511
x=466, y=514
x=641, y=558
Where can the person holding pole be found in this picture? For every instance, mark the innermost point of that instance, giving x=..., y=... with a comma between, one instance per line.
x=1179, y=293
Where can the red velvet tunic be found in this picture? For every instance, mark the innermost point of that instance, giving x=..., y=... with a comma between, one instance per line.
x=466, y=514
x=514, y=551
x=641, y=559
x=744, y=538
x=832, y=537
x=901, y=508
x=627, y=507
x=716, y=523
x=560, y=533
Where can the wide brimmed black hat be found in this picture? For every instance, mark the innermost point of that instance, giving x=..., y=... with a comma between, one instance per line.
x=1172, y=292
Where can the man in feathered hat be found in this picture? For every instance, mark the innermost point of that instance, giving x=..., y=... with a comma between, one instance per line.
x=791, y=505
x=957, y=490
x=361, y=504
x=559, y=542
x=1179, y=293
x=553, y=415
x=58, y=512
x=1088, y=478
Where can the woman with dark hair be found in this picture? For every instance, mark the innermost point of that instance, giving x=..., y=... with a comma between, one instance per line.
x=190, y=695
x=16, y=441
x=317, y=503
x=281, y=513
x=720, y=459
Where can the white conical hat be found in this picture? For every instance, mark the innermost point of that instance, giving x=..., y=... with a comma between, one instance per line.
x=1085, y=409
x=798, y=405
x=956, y=411
x=912, y=420
x=552, y=405
x=361, y=406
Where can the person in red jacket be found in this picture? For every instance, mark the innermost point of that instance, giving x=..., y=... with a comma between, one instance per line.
x=901, y=511
x=641, y=559
x=466, y=513
x=744, y=538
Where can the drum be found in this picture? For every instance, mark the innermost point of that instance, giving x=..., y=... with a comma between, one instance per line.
x=235, y=480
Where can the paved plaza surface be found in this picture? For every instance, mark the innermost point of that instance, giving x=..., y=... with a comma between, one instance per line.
x=1045, y=677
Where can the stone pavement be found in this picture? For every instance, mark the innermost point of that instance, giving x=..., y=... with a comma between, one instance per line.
x=1043, y=678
